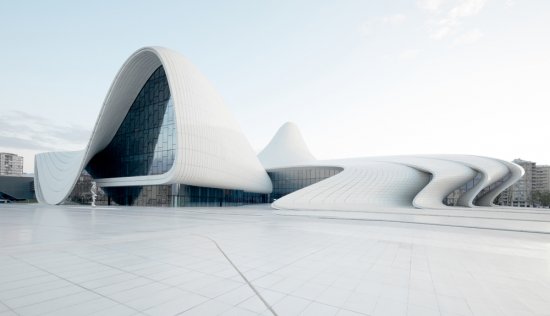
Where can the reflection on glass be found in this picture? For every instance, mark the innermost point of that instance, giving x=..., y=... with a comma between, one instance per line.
x=145, y=142
x=181, y=195
x=288, y=180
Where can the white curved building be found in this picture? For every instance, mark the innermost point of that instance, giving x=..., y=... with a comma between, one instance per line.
x=387, y=182
x=165, y=137
x=161, y=123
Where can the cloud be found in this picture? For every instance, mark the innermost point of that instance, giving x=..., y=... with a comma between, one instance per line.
x=21, y=130
x=409, y=54
x=441, y=32
x=22, y=143
x=429, y=5
x=468, y=38
x=393, y=20
x=446, y=17
x=467, y=8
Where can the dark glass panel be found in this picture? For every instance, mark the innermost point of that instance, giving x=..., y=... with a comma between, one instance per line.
x=288, y=180
x=140, y=145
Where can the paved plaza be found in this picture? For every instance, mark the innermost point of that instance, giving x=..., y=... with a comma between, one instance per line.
x=254, y=260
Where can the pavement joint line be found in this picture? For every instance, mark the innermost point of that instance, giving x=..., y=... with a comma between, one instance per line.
x=75, y=284
x=419, y=223
x=240, y=273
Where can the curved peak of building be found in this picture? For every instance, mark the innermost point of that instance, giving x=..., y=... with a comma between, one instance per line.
x=286, y=148
x=199, y=143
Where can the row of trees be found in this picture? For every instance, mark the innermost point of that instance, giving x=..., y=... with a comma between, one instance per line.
x=541, y=198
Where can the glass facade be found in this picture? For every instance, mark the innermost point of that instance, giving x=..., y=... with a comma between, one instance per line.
x=148, y=195
x=82, y=194
x=181, y=195
x=284, y=181
x=188, y=195
x=288, y=180
x=492, y=187
x=145, y=142
x=453, y=197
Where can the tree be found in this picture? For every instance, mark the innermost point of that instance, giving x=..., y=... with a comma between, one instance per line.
x=542, y=198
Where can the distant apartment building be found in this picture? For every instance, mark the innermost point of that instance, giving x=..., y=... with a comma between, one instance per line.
x=535, y=179
x=14, y=185
x=11, y=164
x=541, y=179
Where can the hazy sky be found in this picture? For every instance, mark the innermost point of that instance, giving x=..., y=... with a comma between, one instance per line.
x=360, y=78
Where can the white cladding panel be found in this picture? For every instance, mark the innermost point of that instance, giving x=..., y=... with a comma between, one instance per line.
x=400, y=182
x=446, y=177
x=361, y=186
x=491, y=171
x=287, y=147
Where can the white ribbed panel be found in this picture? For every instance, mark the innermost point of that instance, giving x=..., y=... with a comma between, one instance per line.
x=421, y=181
x=55, y=174
x=515, y=171
x=211, y=149
x=362, y=185
x=446, y=177
x=287, y=147
x=491, y=171
x=377, y=182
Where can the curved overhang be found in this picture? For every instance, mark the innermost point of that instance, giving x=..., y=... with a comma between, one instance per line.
x=420, y=181
x=390, y=182
x=491, y=171
x=211, y=149
x=362, y=185
x=515, y=173
x=447, y=176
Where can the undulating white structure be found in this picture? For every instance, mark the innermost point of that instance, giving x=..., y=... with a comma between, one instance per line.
x=424, y=181
x=165, y=137
x=204, y=146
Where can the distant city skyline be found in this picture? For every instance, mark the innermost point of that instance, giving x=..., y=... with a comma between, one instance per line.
x=464, y=76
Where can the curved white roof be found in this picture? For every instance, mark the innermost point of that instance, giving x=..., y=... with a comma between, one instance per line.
x=446, y=176
x=362, y=185
x=420, y=181
x=211, y=148
x=399, y=182
x=515, y=172
x=491, y=171
x=287, y=147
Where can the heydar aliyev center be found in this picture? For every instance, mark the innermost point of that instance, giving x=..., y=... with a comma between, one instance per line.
x=165, y=137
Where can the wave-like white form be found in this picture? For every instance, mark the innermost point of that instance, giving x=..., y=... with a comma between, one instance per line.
x=363, y=184
x=446, y=176
x=420, y=181
x=402, y=182
x=287, y=147
x=211, y=148
x=515, y=172
x=491, y=171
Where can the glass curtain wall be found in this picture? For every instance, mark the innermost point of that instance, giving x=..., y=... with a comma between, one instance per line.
x=145, y=142
x=288, y=180
x=453, y=197
x=181, y=195
x=492, y=187
x=189, y=195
